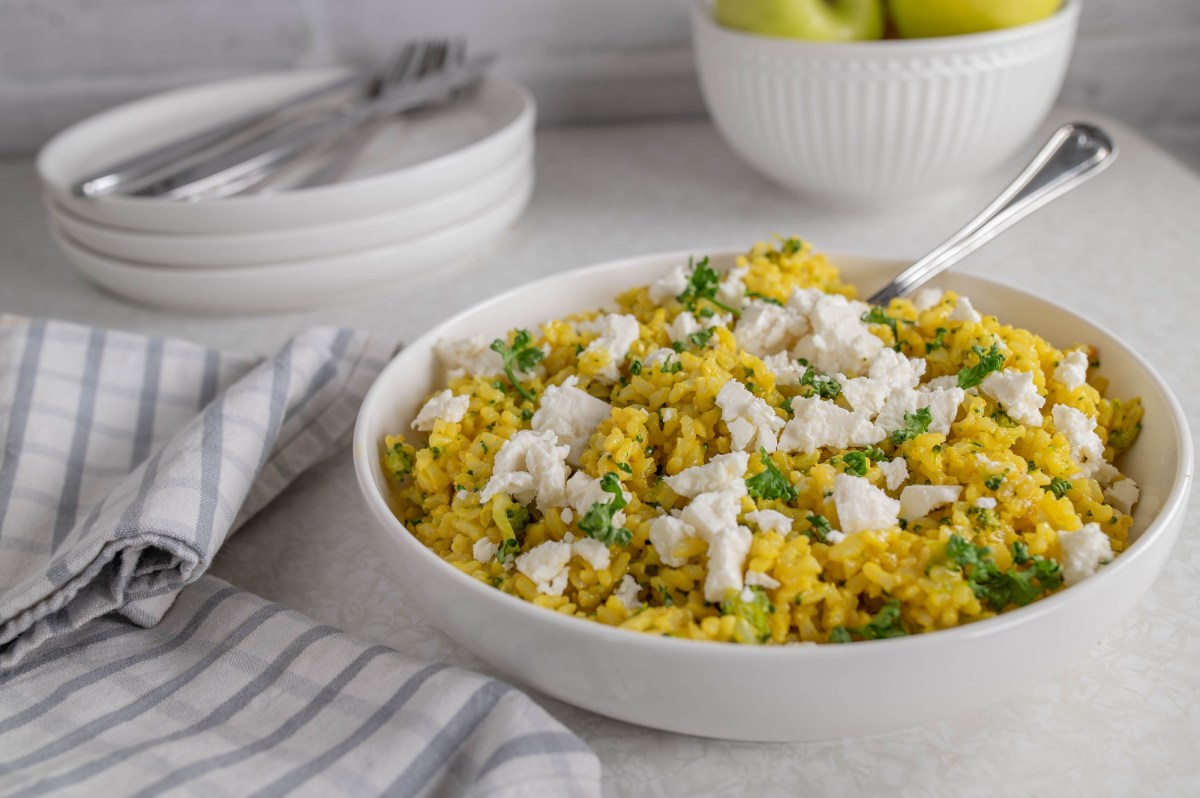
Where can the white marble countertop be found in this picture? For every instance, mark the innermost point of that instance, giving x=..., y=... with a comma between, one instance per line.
x=1124, y=720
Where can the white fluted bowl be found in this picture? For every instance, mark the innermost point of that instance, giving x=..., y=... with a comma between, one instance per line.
x=776, y=692
x=880, y=122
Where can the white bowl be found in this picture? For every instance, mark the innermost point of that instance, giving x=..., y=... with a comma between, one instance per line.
x=209, y=250
x=785, y=692
x=283, y=286
x=880, y=122
x=430, y=155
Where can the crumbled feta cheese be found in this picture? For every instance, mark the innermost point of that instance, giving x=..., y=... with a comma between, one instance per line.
x=567, y=515
x=986, y=503
x=658, y=356
x=683, y=325
x=895, y=472
x=861, y=505
x=668, y=413
x=787, y=370
x=770, y=521
x=627, y=593
x=840, y=342
x=964, y=311
x=818, y=422
x=1122, y=495
x=583, y=491
x=803, y=300
x=727, y=552
x=593, y=552
x=732, y=291
x=445, y=406
x=1084, y=552
x=710, y=513
x=1015, y=392
x=529, y=465
x=835, y=536
x=917, y=501
x=484, y=550
x=667, y=533
x=460, y=494
x=1072, y=369
x=714, y=475
x=546, y=564
x=1086, y=446
x=617, y=334
x=945, y=382
x=666, y=288
x=890, y=372
x=927, y=298
x=468, y=356
x=757, y=579
x=942, y=403
x=751, y=421
x=765, y=328
x=572, y=414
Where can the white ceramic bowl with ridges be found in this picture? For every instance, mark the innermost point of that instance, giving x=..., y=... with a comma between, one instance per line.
x=882, y=122
x=785, y=692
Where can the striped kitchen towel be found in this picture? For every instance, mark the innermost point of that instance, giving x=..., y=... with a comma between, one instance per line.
x=127, y=461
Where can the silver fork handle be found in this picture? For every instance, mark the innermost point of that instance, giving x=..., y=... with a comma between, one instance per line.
x=1076, y=152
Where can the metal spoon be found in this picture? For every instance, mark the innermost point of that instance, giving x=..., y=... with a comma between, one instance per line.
x=1075, y=152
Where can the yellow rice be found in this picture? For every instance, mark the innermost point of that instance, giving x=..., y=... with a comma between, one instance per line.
x=821, y=586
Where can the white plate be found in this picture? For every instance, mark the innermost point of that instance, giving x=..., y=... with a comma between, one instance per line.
x=777, y=692
x=420, y=157
x=248, y=289
x=214, y=250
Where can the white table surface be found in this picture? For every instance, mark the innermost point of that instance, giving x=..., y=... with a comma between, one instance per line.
x=1124, y=249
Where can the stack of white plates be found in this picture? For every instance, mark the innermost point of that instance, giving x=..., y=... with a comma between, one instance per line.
x=431, y=190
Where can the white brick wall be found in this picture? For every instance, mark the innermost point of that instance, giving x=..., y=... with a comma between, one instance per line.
x=61, y=60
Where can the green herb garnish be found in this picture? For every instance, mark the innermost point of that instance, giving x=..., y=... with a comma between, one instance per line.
x=628, y=469
x=876, y=315
x=768, y=299
x=994, y=481
x=990, y=360
x=824, y=387
x=770, y=483
x=671, y=366
x=701, y=338
x=820, y=528
x=1058, y=486
x=885, y=623
x=937, y=342
x=521, y=356
x=635, y=368
x=753, y=624
x=597, y=522
x=509, y=547
x=856, y=463
x=914, y=424
x=398, y=459
x=703, y=284
x=998, y=588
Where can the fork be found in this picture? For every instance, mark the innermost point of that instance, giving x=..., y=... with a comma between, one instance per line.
x=345, y=152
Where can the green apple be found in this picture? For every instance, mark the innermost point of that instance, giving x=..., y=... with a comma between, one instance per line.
x=820, y=20
x=918, y=19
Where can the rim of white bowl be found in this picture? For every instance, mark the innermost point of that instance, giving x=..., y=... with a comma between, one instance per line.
x=1066, y=14
x=1173, y=504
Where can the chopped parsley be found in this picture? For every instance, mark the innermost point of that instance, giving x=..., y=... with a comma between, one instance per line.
x=914, y=424
x=677, y=346
x=824, y=387
x=628, y=469
x=521, y=356
x=792, y=246
x=819, y=529
x=753, y=625
x=671, y=366
x=990, y=360
x=701, y=338
x=703, y=284
x=509, y=548
x=597, y=522
x=876, y=315
x=998, y=588
x=635, y=368
x=664, y=593
x=994, y=481
x=1058, y=486
x=398, y=460
x=770, y=483
x=786, y=404
x=768, y=299
x=856, y=463
x=884, y=624
x=937, y=342
x=526, y=414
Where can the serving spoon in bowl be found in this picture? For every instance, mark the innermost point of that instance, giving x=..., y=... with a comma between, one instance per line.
x=1076, y=152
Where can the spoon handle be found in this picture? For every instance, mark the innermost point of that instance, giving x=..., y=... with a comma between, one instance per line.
x=1075, y=152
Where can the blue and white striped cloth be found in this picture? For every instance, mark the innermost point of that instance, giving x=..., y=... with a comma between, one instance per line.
x=126, y=463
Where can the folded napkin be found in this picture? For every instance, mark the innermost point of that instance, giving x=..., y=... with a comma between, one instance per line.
x=127, y=461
